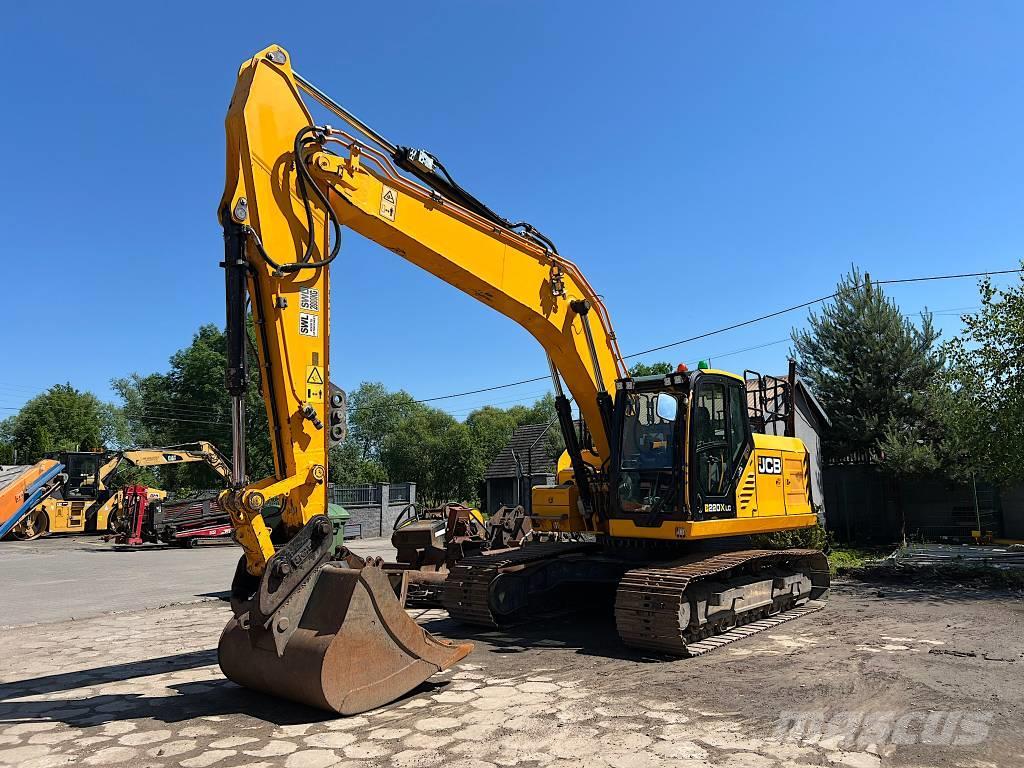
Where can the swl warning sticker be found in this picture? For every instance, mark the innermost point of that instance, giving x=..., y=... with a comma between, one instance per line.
x=309, y=298
x=309, y=325
x=388, y=203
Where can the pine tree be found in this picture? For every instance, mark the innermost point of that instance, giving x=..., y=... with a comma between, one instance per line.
x=870, y=367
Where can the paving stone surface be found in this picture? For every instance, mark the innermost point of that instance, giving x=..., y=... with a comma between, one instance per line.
x=144, y=689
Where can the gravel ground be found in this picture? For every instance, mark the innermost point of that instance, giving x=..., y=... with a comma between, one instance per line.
x=883, y=676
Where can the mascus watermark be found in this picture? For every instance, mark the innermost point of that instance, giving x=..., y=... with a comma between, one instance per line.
x=861, y=729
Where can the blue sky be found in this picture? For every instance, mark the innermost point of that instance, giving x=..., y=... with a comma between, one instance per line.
x=702, y=163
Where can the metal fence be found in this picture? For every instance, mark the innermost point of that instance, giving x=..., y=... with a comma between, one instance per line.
x=368, y=495
x=400, y=492
x=355, y=495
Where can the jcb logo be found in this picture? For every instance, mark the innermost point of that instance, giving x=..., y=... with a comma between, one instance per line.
x=769, y=465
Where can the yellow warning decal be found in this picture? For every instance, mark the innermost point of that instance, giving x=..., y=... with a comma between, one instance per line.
x=314, y=384
x=388, y=203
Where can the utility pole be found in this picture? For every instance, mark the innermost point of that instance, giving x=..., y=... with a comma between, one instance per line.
x=977, y=509
x=791, y=396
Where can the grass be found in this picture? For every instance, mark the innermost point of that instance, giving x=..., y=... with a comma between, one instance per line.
x=845, y=559
x=955, y=574
x=841, y=559
x=872, y=564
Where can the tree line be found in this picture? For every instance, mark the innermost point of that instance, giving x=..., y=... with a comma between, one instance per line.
x=900, y=397
x=391, y=436
x=895, y=392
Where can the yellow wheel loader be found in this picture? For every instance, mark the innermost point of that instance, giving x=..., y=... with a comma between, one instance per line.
x=661, y=483
x=83, y=502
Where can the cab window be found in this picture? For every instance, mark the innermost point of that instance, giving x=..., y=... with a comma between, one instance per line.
x=711, y=445
x=738, y=423
x=647, y=434
x=721, y=434
x=647, y=450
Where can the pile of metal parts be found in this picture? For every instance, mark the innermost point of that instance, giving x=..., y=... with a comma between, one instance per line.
x=961, y=555
x=430, y=542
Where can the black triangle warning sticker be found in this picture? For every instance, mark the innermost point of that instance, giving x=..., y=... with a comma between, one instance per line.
x=314, y=376
x=388, y=203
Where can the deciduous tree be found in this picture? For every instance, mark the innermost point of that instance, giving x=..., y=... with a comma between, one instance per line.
x=60, y=419
x=189, y=403
x=650, y=369
x=982, y=402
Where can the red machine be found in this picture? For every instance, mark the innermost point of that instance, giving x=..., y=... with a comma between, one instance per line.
x=181, y=523
x=135, y=498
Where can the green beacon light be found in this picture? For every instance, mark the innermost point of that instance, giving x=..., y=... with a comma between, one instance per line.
x=703, y=365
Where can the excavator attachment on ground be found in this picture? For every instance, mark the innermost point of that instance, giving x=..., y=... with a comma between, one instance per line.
x=321, y=633
x=354, y=647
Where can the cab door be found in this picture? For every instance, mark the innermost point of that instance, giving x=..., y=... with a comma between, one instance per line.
x=720, y=444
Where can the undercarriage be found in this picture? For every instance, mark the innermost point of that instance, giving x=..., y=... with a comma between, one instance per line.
x=681, y=606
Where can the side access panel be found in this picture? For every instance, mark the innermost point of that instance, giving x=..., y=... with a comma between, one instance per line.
x=771, y=499
x=796, y=479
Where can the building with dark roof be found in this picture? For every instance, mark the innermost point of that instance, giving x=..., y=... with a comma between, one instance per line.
x=523, y=463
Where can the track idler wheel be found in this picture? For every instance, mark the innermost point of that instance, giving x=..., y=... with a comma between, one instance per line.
x=353, y=648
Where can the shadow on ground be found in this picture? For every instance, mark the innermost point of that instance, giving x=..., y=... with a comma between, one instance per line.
x=217, y=696
x=589, y=630
x=68, y=681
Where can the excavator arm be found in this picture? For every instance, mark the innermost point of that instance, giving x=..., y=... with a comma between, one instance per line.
x=307, y=626
x=291, y=187
x=189, y=453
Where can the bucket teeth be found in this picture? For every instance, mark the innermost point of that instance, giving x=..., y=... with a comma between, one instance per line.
x=354, y=647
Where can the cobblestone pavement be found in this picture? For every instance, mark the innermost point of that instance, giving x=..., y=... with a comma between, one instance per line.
x=143, y=689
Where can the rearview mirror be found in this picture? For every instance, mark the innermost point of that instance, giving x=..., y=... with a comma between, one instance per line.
x=667, y=406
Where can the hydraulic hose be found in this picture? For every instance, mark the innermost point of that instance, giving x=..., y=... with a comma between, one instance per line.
x=305, y=182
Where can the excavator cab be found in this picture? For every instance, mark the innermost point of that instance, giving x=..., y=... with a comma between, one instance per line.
x=83, y=471
x=681, y=441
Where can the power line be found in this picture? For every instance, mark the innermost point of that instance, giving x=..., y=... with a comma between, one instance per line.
x=928, y=278
x=659, y=348
x=734, y=326
x=812, y=302
x=145, y=417
x=483, y=389
x=174, y=411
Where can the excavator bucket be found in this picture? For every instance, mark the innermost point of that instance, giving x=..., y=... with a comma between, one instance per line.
x=353, y=646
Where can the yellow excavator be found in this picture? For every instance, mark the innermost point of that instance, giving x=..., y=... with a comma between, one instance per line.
x=662, y=479
x=83, y=502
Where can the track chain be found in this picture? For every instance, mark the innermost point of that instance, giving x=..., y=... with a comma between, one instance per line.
x=649, y=601
x=467, y=590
